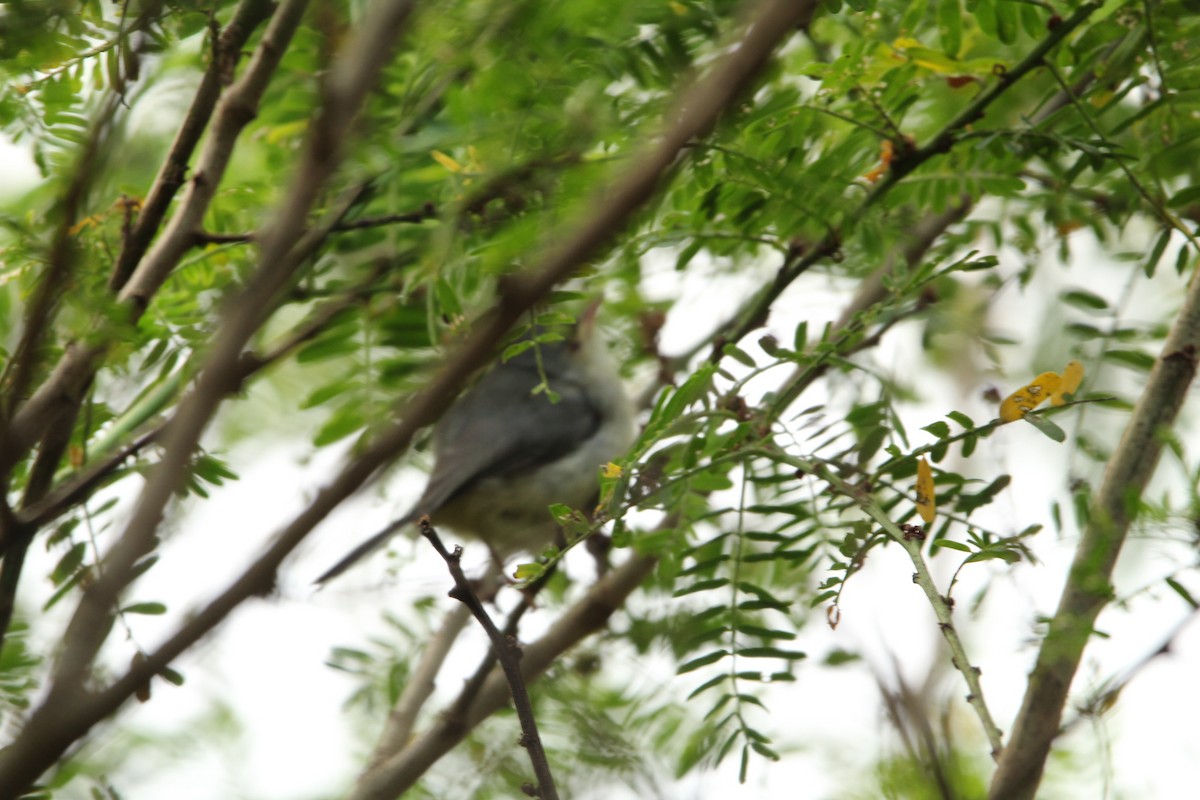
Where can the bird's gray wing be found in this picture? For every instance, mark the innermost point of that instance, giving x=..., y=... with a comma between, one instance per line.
x=499, y=428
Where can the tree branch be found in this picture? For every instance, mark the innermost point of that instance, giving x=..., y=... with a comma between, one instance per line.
x=1088, y=588
x=396, y=775
x=421, y=683
x=39, y=311
x=227, y=48
x=507, y=651
x=426, y=211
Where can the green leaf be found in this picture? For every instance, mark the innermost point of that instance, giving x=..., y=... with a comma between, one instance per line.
x=152, y=609
x=1007, y=20
x=1000, y=554
x=345, y=421
x=171, y=676
x=1182, y=592
x=1046, y=427
x=962, y=419
x=1156, y=254
x=692, y=389
x=1033, y=20
x=738, y=354
x=687, y=254
x=950, y=544
x=69, y=563
x=771, y=652
x=702, y=661
x=1185, y=197
x=1088, y=301
x=800, y=337
x=1182, y=258
x=970, y=502
x=701, y=586
x=529, y=571
x=949, y=18
x=939, y=429
x=342, y=344
x=1133, y=359
x=716, y=680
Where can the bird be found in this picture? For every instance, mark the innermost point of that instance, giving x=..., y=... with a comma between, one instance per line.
x=504, y=453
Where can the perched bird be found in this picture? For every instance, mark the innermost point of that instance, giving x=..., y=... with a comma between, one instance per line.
x=503, y=454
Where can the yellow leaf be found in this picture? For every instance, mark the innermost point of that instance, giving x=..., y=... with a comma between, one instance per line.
x=926, y=500
x=1072, y=376
x=1030, y=396
x=612, y=470
x=446, y=161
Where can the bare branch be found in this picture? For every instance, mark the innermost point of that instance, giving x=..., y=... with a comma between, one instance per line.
x=236, y=108
x=396, y=775
x=507, y=653
x=53, y=446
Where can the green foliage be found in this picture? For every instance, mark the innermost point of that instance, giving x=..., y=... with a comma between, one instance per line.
x=490, y=134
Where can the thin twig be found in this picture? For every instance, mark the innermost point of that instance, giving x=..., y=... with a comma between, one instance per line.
x=427, y=211
x=508, y=652
x=923, y=578
x=1111, y=689
x=1155, y=203
x=589, y=614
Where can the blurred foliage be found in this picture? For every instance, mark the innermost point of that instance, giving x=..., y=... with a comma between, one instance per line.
x=490, y=133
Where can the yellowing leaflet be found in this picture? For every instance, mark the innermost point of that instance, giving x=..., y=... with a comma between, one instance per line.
x=926, y=501
x=1072, y=376
x=1030, y=396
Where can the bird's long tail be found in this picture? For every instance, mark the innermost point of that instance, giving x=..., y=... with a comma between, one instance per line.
x=367, y=547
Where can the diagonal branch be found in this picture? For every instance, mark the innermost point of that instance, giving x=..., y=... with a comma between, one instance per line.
x=226, y=49
x=39, y=311
x=1089, y=588
x=112, y=455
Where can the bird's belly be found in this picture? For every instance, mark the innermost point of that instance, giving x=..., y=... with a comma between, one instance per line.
x=510, y=512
